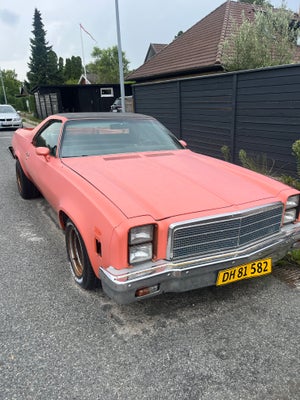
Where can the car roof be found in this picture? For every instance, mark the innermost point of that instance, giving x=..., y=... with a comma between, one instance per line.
x=103, y=115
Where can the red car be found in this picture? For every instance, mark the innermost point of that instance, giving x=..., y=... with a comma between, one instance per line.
x=144, y=214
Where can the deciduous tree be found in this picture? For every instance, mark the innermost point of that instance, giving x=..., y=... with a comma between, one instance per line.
x=12, y=88
x=270, y=39
x=106, y=64
x=73, y=69
x=257, y=2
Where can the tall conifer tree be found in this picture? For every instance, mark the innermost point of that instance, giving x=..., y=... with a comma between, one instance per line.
x=40, y=51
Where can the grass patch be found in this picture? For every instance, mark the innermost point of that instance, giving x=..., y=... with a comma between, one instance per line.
x=291, y=258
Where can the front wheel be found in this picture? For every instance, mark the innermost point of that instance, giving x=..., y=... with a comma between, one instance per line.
x=80, y=265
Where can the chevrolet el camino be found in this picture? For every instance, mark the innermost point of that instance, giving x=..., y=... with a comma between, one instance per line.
x=145, y=215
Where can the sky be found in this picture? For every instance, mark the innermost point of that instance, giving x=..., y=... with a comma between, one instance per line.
x=141, y=22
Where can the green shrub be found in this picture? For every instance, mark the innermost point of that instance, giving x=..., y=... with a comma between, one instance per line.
x=296, y=153
x=289, y=180
x=226, y=153
x=259, y=163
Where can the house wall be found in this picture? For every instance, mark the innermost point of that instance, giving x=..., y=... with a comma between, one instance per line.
x=258, y=111
x=76, y=98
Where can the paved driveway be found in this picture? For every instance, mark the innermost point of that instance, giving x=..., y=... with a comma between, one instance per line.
x=59, y=342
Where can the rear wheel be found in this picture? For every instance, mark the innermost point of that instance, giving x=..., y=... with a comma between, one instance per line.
x=80, y=265
x=26, y=188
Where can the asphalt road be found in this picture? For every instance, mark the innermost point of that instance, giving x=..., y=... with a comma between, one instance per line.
x=60, y=342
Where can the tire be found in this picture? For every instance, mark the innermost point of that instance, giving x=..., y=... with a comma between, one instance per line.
x=80, y=265
x=26, y=188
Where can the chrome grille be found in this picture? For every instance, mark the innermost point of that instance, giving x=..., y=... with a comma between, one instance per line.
x=224, y=233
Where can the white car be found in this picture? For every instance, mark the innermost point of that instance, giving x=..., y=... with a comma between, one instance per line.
x=9, y=118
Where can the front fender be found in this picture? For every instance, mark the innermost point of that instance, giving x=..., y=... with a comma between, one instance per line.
x=95, y=217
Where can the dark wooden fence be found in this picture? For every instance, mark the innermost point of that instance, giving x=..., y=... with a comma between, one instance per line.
x=258, y=111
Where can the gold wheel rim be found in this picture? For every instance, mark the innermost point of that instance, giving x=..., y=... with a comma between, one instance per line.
x=76, y=253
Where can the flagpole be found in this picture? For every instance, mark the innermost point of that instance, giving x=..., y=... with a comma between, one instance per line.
x=121, y=71
x=83, y=59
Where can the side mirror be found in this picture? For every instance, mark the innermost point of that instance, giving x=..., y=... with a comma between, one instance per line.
x=43, y=151
x=183, y=143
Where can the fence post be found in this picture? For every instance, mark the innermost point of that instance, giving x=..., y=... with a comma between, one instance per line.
x=233, y=117
x=179, y=105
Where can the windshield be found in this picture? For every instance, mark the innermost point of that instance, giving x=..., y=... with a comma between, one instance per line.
x=100, y=137
x=6, y=109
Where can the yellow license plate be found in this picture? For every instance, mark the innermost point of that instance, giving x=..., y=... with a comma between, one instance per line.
x=251, y=270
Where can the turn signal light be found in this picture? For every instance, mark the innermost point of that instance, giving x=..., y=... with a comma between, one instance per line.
x=146, y=291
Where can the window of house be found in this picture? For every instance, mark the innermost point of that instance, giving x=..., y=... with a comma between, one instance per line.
x=107, y=92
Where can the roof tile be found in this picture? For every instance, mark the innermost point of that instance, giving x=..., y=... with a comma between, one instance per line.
x=198, y=47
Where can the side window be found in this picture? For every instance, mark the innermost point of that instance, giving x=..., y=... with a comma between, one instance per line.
x=48, y=137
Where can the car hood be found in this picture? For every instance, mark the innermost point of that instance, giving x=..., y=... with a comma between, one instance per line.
x=166, y=184
x=9, y=115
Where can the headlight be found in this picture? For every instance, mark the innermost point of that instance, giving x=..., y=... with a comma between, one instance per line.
x=291, y=209
x=290, y=216
x=140, y=242
x=141, y=234
x=140, y=253
x=292, y=202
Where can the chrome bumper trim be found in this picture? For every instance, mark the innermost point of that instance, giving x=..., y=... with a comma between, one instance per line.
x=121, y=285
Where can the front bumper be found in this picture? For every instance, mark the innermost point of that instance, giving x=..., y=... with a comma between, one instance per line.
x=11, y=124
x=122, y=285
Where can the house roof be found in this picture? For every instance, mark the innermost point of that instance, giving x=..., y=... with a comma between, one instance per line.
x=158, y=46
x=89, y=79
x=198, y=49
x=153, y=49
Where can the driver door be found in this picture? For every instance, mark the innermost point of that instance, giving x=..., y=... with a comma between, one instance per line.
x=46, y=171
